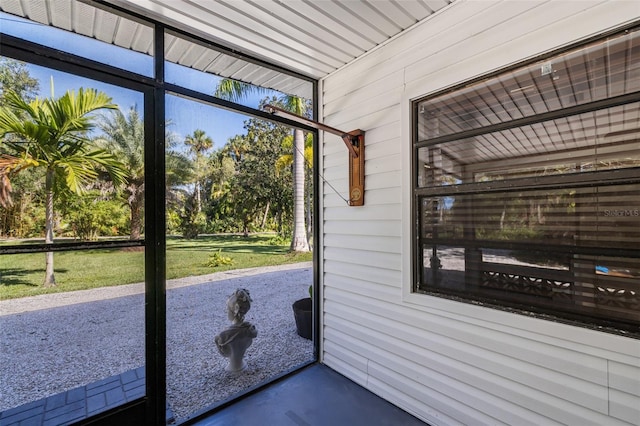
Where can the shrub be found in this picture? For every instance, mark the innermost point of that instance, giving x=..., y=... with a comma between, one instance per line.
x=218, y=259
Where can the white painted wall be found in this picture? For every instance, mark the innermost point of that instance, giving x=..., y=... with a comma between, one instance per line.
x=447, y=362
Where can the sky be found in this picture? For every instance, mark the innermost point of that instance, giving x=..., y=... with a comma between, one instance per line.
x=184, y=115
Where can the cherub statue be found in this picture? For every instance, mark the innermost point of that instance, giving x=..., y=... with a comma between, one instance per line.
x=234, y=341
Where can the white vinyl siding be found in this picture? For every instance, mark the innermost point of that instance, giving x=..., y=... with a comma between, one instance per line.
x=443, y=361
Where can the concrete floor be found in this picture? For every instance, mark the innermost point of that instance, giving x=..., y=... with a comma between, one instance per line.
x=316, y=396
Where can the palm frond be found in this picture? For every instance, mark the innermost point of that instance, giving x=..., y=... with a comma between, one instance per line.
x=236, y=91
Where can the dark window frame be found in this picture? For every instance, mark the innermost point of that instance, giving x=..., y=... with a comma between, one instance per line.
x=421, y=264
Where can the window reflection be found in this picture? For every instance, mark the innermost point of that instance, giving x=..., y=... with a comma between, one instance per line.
x=544, y=214
x=598, y=71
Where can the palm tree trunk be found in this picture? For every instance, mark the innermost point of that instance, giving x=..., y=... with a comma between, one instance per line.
x=308, y=180
x=49, y=279
x=135, y=217
x=264, y=216
x=299, y=241
x=196, y=192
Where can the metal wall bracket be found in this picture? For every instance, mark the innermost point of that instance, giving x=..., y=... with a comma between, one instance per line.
x=354, y=141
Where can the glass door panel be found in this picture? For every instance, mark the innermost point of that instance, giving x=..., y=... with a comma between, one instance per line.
x=71, y=250
x=229, y=226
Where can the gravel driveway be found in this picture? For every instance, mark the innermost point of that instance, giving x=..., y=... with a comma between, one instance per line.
x=56, y=342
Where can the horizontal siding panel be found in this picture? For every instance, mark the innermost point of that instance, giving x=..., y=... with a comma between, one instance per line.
x=388, y=277
x=363, y=257
x=372, y=118
x=335, y=156
x=374, y=197
x=390, y=179
x=384, y=164
x=625, y=377
x=381, y=228
x=333, y=199
x=378, y=159
x=465, y=408
x=337, y=173
x=384, y=141
x=346, y=369
x=353, y=359
x=372, y=93
x=343, y=84
x=563, y=361
x=384, y=196
x=417, y=406
x=356, y=286
x=585, y=343
x=357, y=242
x=333, y=144
x=384, y=212
x=379, y=141
x=425, y=395
x=378, y=148
x=625, y=407
x=374, y=182
x=493, y=390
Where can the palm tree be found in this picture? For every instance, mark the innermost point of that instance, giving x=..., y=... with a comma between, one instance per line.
x=286, y=161
x=124, y=138
x=52, y=134
x=199, y=143
x=234, y=91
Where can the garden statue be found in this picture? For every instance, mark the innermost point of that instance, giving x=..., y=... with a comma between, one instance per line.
x=234, y=341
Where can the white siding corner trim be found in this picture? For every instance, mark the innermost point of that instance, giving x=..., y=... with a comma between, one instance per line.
x=444, y=361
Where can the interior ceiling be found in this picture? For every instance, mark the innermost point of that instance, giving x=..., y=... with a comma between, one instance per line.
x=309, y=37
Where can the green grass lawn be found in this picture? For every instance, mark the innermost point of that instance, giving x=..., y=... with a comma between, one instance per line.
x=22, y=274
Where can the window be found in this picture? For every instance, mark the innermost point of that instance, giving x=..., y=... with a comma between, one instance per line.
x=526, y=187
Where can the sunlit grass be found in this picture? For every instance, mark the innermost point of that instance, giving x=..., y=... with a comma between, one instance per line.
x=22, y=274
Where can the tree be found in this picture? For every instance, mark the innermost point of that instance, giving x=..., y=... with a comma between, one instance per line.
x=255, y=188
x=14, y=77
x=52, y=134
x=286, y=161
x=124, y=138
x=234, y=91
x=199, y=143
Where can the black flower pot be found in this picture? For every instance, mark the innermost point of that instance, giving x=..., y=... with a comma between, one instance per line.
x=303, y=317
